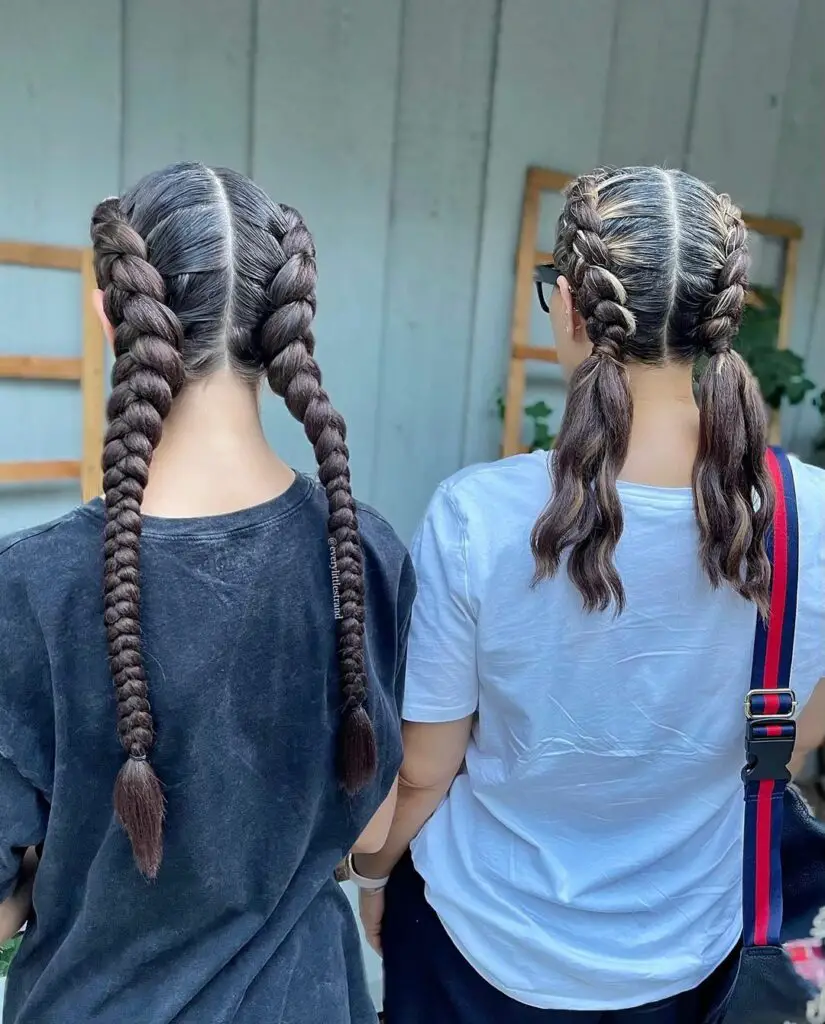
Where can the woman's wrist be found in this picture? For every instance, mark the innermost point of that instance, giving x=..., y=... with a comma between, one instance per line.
x=364, y=876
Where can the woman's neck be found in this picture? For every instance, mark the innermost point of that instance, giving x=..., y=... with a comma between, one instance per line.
x=665, y=434
x=213, y=457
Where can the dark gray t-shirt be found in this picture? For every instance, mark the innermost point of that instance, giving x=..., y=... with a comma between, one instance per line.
x=245, y=923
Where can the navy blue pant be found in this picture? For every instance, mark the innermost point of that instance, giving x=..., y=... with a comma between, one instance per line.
x=428, y=981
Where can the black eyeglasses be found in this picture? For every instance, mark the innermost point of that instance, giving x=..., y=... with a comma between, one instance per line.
x=545, y=276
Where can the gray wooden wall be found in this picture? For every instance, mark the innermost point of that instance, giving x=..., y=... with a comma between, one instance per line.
x=401, y=129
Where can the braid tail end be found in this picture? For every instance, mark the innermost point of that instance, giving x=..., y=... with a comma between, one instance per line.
x=358, y=755
x=140, y=807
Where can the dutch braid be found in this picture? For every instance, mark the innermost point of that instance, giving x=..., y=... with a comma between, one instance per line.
x=584, y=513
x=147, y=374
x=657, y=264
x=287, y=347
x=733, y=494
x=201, y=273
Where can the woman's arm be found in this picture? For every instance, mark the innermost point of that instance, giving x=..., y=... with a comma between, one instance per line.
x=442, y=680
x=441, y=697
x=15, y=911
x=810, y=729
x=433, y=755
x=375, y=834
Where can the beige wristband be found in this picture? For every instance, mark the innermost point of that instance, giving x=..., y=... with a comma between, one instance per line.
x=362, y=882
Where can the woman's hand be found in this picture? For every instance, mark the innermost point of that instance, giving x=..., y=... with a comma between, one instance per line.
x=371, y=908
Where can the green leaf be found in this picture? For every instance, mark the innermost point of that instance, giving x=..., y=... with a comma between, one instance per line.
x=7, y=952
x=500, y=405
x=798, y=388
x=538, y=410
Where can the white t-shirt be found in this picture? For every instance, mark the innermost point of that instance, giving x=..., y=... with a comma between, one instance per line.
x=589, y=856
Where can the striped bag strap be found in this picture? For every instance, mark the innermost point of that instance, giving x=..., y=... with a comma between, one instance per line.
x=770, y=709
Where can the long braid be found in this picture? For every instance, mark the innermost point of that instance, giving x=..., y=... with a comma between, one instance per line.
x=657, y=265
x=584, y=513
x=147, y=374
x=201, y=272
x=287, y=347
x=733, y=494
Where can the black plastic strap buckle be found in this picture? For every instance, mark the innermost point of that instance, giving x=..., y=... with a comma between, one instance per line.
x=768, y=757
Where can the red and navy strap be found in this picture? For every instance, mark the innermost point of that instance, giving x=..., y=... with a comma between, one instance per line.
x=770, y=728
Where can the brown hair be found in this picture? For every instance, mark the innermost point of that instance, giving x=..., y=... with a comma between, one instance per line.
x=200, y=269
x=658, y=268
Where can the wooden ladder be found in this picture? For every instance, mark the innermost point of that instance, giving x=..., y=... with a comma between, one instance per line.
x=528, y=257
x=87, y=370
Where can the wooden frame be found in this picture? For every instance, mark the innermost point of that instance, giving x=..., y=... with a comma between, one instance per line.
x=528, y=256
x=86, y=369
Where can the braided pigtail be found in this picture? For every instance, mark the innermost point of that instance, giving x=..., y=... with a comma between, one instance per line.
x=147, y=374
x=733, y=494
x=287, y=347
x=584, y=513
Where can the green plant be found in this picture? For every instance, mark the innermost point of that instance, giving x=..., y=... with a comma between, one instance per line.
x=7, y=951
x=780, y=372
x=538, y=415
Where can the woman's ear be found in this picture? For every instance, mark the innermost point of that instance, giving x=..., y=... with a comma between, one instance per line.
x=573, y=323
x=108, y=330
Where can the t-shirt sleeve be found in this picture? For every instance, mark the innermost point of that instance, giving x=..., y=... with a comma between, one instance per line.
x=26, y=730
x=442, y=678
x=809, y=643
x=406, y=597
x=23, y=819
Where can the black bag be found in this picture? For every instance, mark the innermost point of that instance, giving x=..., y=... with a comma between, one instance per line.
x=784, y=853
